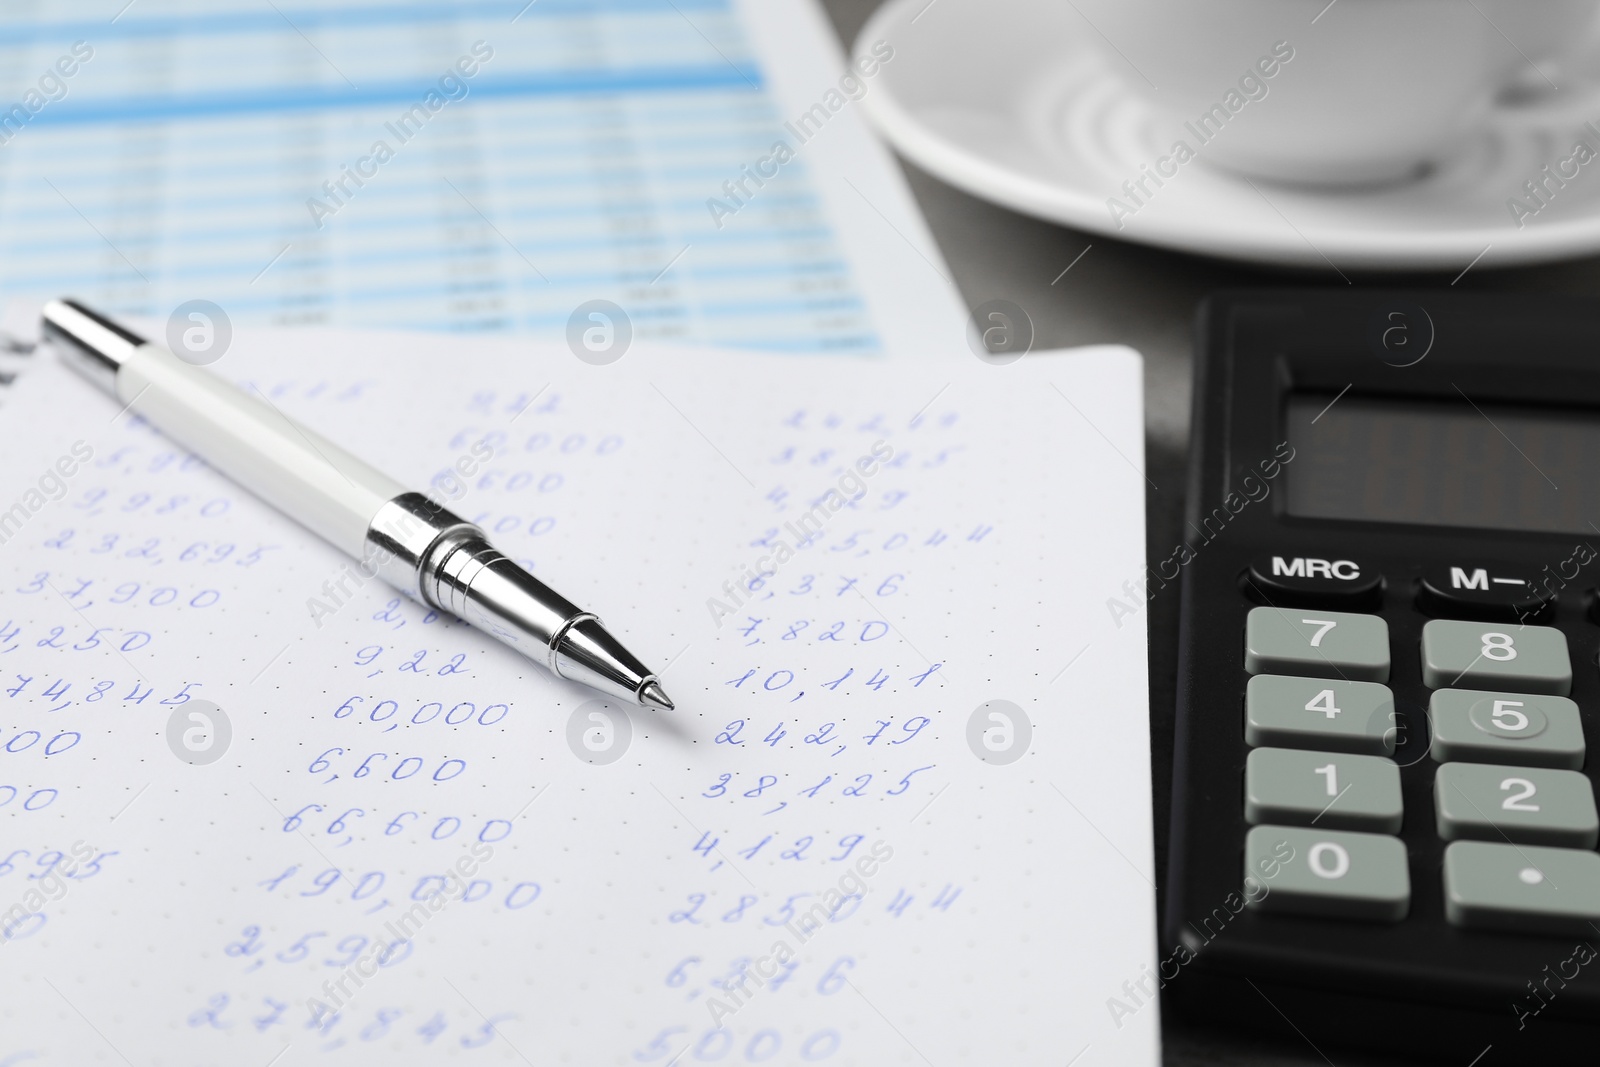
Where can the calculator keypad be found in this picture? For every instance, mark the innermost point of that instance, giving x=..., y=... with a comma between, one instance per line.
x=1323, y=801
x=1525, y=805
x=1522, y=887
x=1330, y=714
x=1329, y=872
x=1478, y=726
x=1476, y=655
x=1338, y=792
x=1316, y=643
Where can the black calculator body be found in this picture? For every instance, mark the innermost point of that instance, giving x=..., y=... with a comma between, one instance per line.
x=1383, y=819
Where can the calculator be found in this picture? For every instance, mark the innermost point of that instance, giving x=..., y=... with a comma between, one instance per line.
x=1383, y=822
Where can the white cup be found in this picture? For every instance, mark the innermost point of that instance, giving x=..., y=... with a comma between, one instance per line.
x=1360, y=91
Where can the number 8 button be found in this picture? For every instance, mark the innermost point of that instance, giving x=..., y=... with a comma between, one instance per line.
x=1489, y=655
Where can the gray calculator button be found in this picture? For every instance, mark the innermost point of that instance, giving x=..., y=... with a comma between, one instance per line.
x=1529, y=805
x=1527, y=729
x=1319, y=713
x=1328, y=872
x=1315, y=643
x=1522, y=887
x=1336, y=791
x=1495, y=654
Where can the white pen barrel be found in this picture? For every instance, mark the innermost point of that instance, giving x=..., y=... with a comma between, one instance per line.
x=303, y=474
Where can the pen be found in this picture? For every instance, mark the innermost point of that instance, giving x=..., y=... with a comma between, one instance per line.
x=404, y=537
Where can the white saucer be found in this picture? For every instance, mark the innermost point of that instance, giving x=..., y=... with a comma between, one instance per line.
x=1007, y=100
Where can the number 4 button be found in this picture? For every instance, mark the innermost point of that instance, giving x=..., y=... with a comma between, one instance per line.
x=1331, y=715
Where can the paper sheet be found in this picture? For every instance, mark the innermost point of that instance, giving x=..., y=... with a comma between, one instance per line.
x=905, y=871
x=228, y=151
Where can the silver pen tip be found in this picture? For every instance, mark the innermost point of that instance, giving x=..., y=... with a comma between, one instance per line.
x=655, y=696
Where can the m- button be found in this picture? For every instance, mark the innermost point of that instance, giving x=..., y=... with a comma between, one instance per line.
x=1313, y=581
x=1482, y=590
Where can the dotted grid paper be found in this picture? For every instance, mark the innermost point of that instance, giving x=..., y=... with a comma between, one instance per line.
x=253, y=805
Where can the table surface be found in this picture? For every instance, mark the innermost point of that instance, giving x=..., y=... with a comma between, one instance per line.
x=1146, y=298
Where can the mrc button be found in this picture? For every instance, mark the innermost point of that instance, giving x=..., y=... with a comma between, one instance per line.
x=1482, y=590
x=1314, y=580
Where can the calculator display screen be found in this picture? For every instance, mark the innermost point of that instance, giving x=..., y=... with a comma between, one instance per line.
x=1444, y=463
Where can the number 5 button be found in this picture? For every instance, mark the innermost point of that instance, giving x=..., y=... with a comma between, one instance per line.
x=1525, y=805
x=1319, y=644
x=1489, y=656
x=1523, y=728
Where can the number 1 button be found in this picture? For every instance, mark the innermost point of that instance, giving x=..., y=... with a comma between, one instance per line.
x=1335, y=791
x=1317, y=644
x=1477, y=655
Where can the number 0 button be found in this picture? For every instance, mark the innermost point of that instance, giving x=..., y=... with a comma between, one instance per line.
x=1477, y=655
x=1329, y=872
x=1318, y=644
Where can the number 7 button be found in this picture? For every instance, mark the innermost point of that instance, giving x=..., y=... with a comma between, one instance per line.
x=1318, y=644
